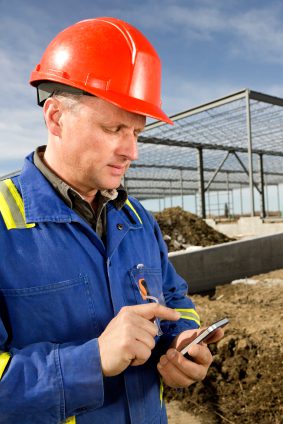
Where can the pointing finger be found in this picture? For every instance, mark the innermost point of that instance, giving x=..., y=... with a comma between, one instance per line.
x=153, y=310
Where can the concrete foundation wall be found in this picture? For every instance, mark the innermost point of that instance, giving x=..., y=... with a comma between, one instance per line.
x=247, y=227
x=204, y=269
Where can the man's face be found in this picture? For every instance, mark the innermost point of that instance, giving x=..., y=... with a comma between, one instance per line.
x=97, y=145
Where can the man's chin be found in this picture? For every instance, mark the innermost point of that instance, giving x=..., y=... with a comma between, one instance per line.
x=113, y=186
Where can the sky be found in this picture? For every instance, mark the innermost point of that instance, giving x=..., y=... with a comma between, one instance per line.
x=208, y=49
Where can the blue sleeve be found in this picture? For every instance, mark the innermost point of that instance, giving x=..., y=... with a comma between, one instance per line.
x=175, y=290
x=46, y=382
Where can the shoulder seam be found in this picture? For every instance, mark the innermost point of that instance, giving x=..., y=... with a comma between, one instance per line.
x=10, y=175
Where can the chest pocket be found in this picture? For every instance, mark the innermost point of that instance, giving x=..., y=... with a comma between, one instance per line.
x=58, y=312
x=147, y=284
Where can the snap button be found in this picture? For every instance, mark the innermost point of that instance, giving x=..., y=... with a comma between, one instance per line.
x=120, y=227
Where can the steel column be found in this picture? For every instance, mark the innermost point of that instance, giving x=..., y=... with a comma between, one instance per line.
x=262, y=194
x=182, y=196
x=201, y=183
x=228, y=194
x=208, y=203
x=241, y=199
x=250, y=152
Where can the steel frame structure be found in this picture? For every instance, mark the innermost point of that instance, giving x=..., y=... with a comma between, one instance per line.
x=234, y=141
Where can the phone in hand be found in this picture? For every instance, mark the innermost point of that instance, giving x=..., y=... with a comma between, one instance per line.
x=204, y=335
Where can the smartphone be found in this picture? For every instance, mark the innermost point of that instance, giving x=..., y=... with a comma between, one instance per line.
x=204, y=335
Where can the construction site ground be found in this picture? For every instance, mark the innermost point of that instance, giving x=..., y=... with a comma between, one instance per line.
x=244, y=383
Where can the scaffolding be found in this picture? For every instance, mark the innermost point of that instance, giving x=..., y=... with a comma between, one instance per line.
x=232, y=142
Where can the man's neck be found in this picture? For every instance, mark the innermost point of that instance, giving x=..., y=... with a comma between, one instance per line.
x=88, y=196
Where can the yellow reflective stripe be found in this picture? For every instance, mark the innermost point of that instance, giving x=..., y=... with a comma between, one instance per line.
x=12, y=206
x=189, y=314
x=71, y=420
x=133, y=209
x=14, y=192
x=6, y=213
x=19, y=201
x=161, y=390
x=18, y=221
x=4, y=359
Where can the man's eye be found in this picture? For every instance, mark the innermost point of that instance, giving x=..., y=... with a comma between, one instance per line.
x=112, y=130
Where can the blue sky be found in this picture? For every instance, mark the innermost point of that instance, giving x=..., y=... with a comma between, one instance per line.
x=209, y=48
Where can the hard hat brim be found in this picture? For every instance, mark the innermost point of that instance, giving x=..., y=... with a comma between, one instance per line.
x=120, y=100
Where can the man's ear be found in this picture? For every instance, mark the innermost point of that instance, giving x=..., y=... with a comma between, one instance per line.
x=52, y=110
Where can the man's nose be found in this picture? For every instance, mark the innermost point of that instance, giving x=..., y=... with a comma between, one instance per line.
x=129, y=147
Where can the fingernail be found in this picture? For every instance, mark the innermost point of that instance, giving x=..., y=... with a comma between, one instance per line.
x=171, y=354
x=163, y=360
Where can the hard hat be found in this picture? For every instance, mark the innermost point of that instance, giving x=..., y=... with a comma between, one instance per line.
x=108, y=58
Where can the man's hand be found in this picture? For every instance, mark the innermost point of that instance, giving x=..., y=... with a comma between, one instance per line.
x=129, y=337
x=176, y=370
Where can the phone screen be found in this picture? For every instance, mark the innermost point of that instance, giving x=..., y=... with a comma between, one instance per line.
x=205, y=334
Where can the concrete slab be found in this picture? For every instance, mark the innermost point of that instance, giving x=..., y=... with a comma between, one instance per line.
x=204, y=269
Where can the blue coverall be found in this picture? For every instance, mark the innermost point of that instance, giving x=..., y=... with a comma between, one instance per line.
x=59, y=288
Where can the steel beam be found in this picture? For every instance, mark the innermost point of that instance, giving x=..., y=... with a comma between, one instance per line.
x=208, y=146
x=193, y=168
x=202, y=108
x=216, y=171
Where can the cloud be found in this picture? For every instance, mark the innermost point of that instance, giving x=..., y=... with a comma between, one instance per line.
x=21, y=130
x=274, y=89
x=249, y=32
x=260, y=34
x=181, y=94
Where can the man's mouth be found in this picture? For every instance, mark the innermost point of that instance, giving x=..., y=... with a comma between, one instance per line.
x=118, y=169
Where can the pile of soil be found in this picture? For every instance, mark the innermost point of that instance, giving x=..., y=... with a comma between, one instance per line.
x=182, y=229
x=244, y=383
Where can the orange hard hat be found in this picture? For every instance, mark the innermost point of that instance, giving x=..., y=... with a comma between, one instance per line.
x=108, y=58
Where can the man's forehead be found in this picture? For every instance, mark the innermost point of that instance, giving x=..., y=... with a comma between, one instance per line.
x=114, y=115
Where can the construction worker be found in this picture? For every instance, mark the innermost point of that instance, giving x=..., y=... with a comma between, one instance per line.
x=92, y=313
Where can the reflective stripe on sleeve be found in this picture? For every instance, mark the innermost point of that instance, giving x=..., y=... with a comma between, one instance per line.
x=6, y=213
x=4, y=359
x=161, y=390
x=71, y=420
x=133, y=209
x=189, y=314
x=12, y=206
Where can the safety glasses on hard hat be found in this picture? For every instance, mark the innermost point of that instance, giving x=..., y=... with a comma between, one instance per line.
x=45, y=90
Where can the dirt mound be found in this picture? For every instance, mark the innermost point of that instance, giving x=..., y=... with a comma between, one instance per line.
x=182, y=229
x=244, y=384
